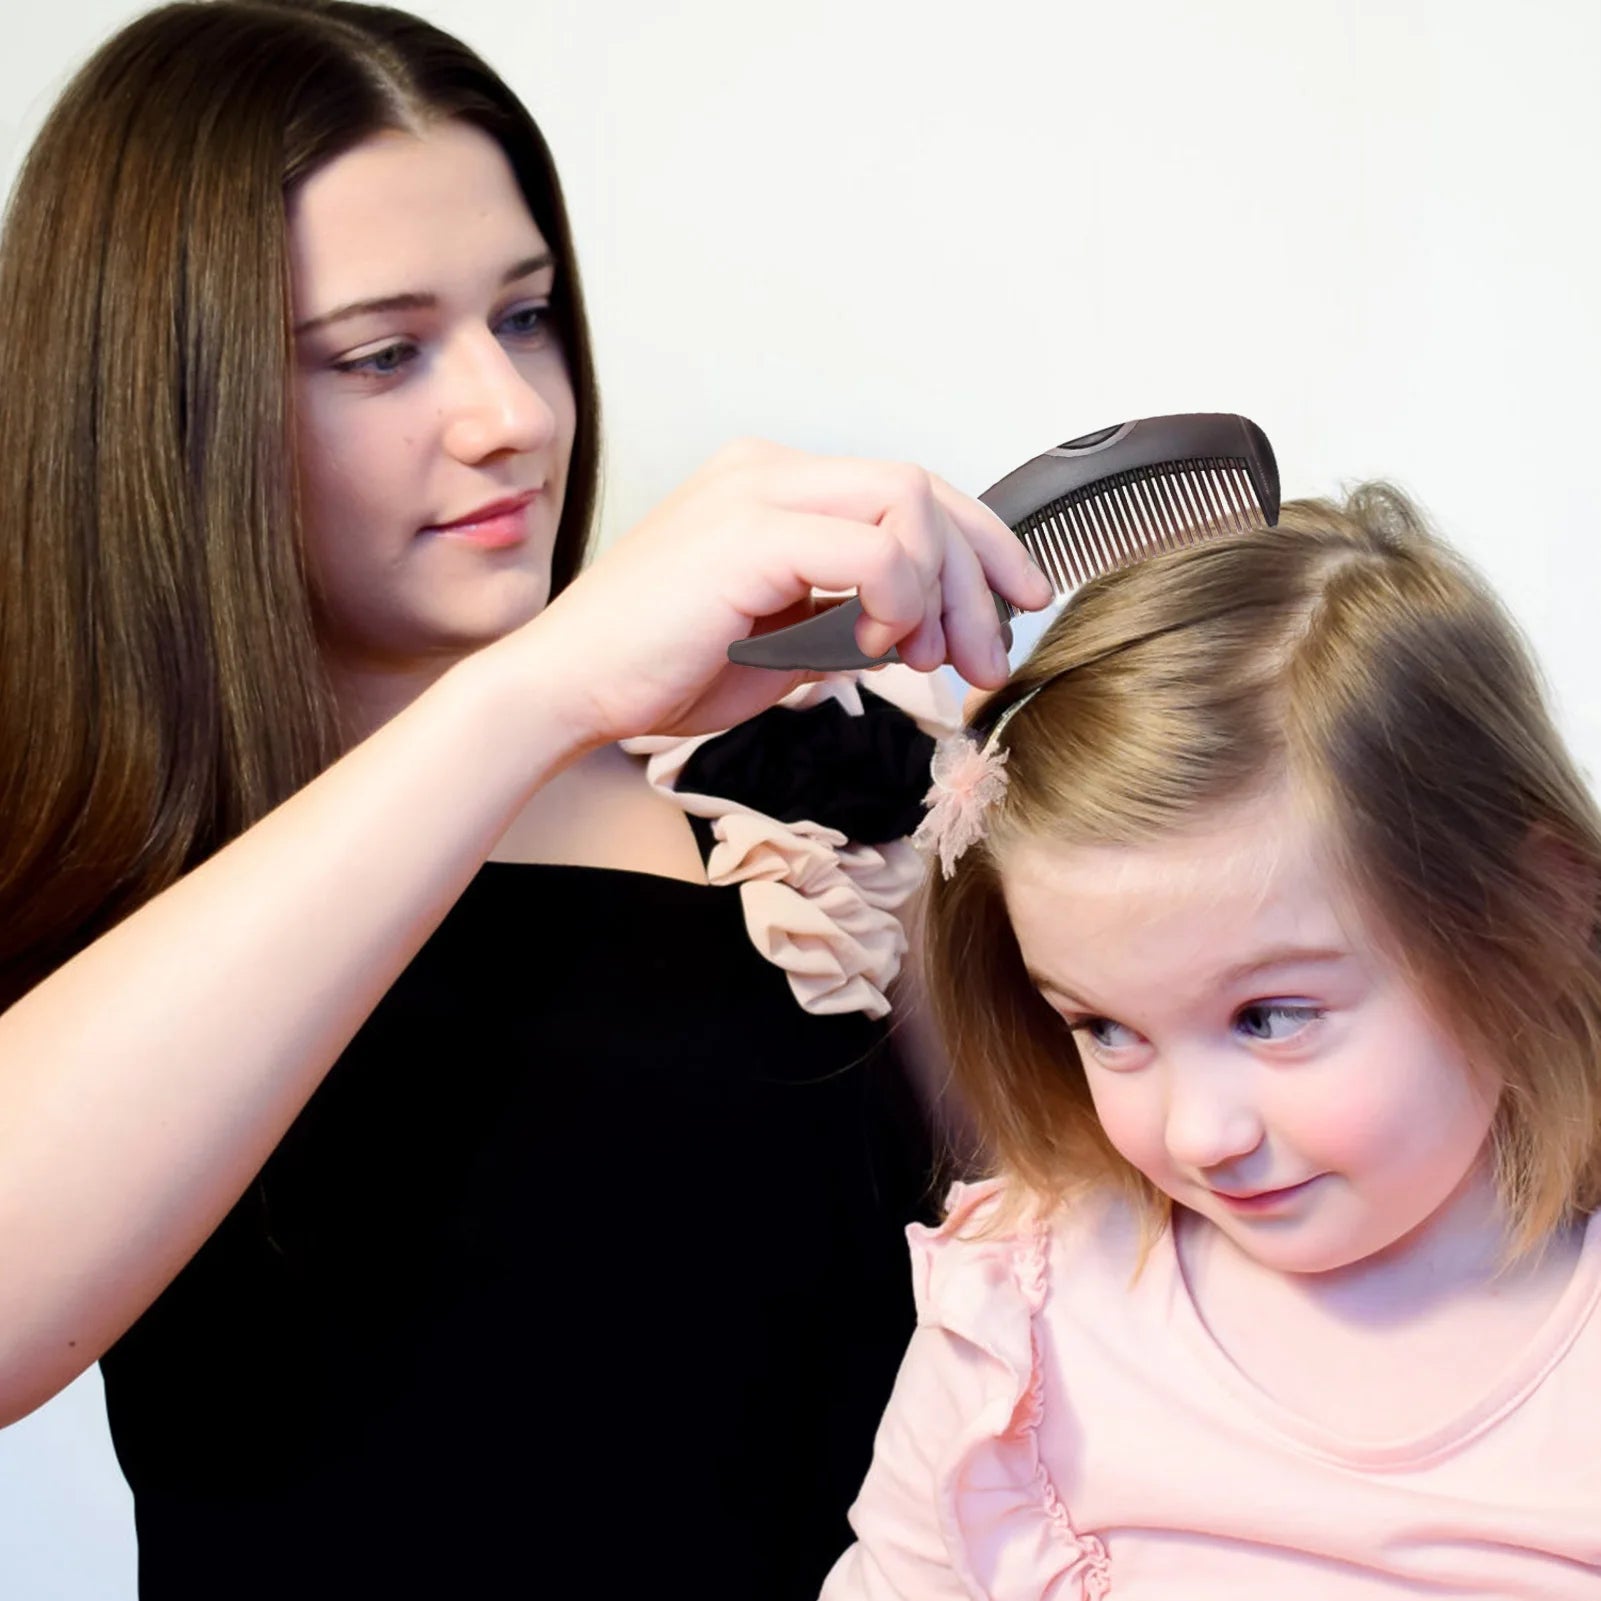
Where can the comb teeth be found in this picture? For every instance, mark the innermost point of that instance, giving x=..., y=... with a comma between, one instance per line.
x=1121, y=519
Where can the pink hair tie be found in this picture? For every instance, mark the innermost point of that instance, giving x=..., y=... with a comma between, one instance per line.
x=968, y=780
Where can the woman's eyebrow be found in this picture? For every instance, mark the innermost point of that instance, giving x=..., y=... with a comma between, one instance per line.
x=412, y=302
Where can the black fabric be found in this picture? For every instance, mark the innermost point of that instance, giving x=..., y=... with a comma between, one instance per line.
x=865, y=776
x=583, y=1274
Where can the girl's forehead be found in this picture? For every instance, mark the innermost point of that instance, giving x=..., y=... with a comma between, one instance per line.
x=1255, y=840
x=1253, y=875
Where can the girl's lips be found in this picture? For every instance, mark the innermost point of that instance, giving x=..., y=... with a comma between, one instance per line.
x=1265, y=1200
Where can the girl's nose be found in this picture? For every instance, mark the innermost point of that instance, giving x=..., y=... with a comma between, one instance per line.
x=494, y=407
x=1211, y=1121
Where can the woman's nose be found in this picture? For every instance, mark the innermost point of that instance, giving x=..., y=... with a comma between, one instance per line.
x=493, y=406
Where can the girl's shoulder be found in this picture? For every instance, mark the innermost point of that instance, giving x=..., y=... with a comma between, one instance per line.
x=1000, y=1257
x=970, y=1409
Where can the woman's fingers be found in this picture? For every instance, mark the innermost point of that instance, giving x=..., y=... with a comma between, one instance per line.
x=744, y=543
x=1007, y=566
x=947, y=537
x=972, y=626
x=810, y=550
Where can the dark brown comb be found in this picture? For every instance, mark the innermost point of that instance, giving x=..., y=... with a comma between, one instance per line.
x=1087, y=507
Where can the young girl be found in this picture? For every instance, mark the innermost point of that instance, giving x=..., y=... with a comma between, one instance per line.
x=1268, y=959
x=389, y=1181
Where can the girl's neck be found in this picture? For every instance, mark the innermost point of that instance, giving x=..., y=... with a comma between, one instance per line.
x=1461, y=1250
x=1394, y=1345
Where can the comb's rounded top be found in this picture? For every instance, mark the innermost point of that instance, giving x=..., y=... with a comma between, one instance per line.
x=1184, y=441
x=1200, y=456
x=1099, y=437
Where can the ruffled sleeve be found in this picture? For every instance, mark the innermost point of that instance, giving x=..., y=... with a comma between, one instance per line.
x=958, y=1502
x=818, y=902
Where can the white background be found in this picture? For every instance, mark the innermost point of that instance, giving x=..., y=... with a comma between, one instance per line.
x=962, y=233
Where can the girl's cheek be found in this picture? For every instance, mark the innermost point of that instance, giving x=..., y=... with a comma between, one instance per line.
x=1353, y=1121
x=1130, y=1117
x=1340, y=1134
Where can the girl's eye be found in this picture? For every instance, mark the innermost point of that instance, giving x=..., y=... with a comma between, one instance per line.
x=1104, y=1034
x=1275, y=1020
x=383, y=363
x=528, y=324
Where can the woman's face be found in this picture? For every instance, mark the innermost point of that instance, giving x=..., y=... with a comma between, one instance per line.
x=435, y=414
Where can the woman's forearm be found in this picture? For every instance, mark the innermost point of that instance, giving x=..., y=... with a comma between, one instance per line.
x=145, y=1082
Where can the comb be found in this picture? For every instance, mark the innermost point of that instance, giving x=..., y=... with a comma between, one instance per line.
x=1090, y=506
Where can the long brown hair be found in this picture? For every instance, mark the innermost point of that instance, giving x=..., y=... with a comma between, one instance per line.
x=1351, y=653
x=161, y=686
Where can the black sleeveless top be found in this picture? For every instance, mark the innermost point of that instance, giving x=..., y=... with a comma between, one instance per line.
x=582, y=1274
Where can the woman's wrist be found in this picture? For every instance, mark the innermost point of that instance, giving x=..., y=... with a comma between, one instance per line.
x=528, y=703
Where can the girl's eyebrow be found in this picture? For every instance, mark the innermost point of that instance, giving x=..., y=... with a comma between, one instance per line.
x=1281, y=956
x=1228, y=978
x=1042, y=984
x=412, y=302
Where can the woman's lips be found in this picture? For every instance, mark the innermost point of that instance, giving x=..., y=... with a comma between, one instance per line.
x=1261, y=1201
x=497, y=526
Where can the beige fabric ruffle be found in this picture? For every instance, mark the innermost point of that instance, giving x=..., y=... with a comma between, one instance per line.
x=817, y=905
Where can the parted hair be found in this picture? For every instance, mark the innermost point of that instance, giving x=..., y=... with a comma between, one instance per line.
x=161, y=683
x=1352, y=654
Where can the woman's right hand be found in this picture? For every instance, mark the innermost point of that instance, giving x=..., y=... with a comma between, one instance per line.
x=644, y=632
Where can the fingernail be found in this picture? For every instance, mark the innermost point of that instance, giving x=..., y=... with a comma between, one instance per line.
x=1000, y=660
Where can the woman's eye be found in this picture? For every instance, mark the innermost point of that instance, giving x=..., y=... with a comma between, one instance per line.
x=1275, y=1020
x=530, y=324
x=383, y=363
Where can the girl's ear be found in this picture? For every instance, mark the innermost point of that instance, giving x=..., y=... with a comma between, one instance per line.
x=973, y=702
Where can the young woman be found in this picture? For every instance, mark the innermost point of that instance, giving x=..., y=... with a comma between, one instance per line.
x=379, y=1175
x=1269, y=962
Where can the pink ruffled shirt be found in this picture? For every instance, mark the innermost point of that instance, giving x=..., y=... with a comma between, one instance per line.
x=1060, y=1434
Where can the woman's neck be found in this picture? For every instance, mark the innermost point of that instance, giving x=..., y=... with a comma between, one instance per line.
x=368, y=695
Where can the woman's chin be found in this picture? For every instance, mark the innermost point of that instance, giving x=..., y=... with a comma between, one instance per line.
x=462, y=629
x=423, y=647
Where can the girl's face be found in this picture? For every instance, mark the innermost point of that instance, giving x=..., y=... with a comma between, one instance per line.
x=435, y=415
x=1248, y=1046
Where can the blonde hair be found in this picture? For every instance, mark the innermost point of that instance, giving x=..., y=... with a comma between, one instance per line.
x=1351, y=653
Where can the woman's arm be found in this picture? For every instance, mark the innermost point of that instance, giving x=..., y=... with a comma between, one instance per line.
x=145, y=1082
